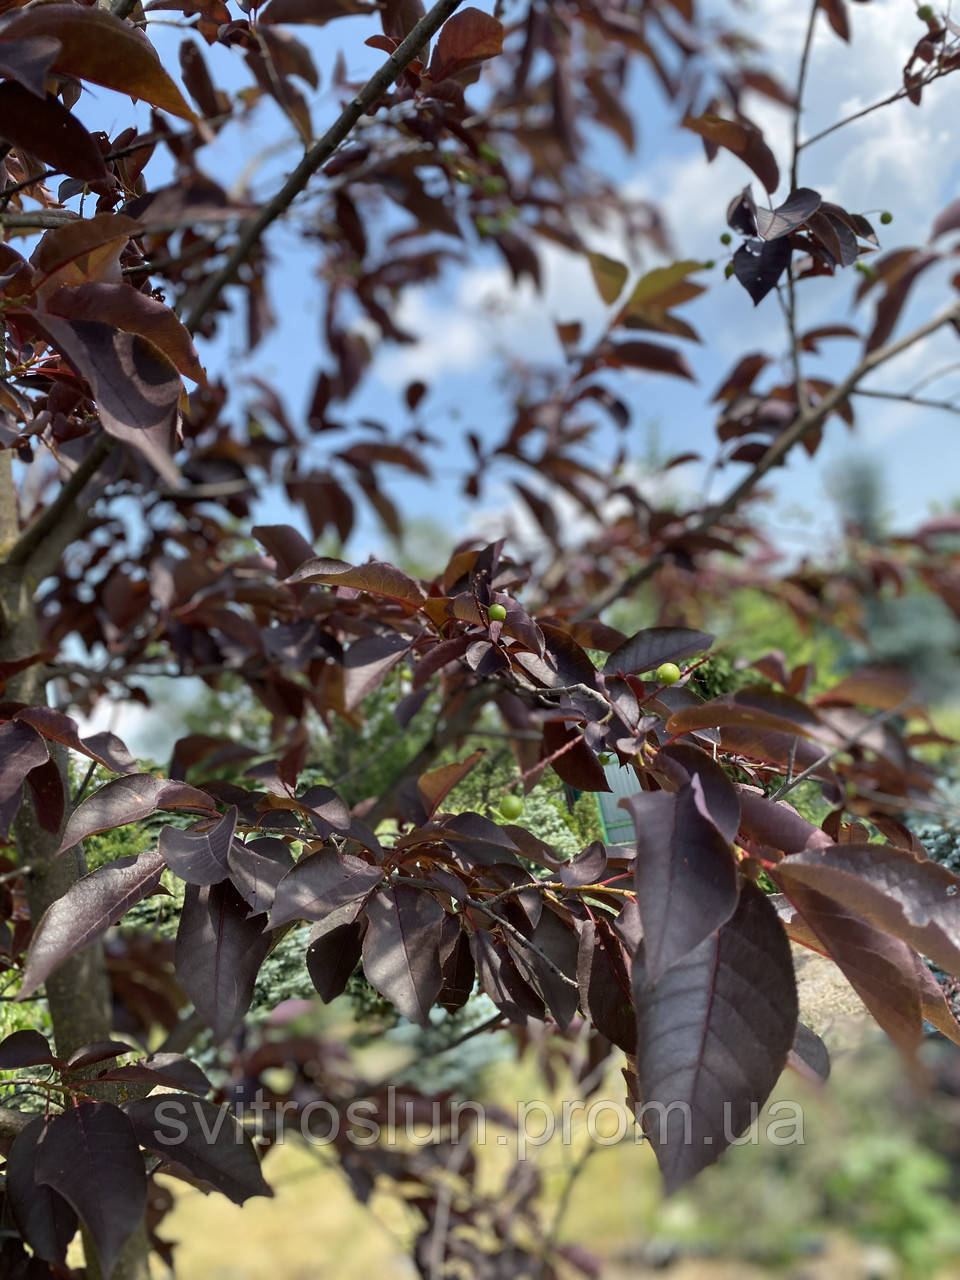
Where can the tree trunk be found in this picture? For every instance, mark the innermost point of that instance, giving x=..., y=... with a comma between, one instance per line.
x=78, y=992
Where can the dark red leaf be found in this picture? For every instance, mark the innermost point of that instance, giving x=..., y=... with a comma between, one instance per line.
x=200, y=857
x=220, y=948
x=320, y=883
x=649, y=648
x=713, y=1035
x=401, y=949
x=44, y=1218
x=685, y=875
x=44, y=128
x=201, y=1138
x=85, y=912
x=469, y=37
x=90, y=1155
x=129, y=799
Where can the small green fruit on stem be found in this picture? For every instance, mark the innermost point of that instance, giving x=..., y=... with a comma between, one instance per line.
x=496, y=613
x=668, y=673
x=511, y=807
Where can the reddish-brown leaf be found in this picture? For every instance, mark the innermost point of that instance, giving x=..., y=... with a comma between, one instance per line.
x=469, y=37
x=126, y=308
x=743, y=139
x=44, y=128
x=96, y=46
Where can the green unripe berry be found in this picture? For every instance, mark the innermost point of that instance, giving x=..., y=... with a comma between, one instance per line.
x=668, y=673
x=729, y=270
x=708, y=264
x=726, y=238
x=886, y=217
x=925, y=13
x=605, y=758
x=511, y=807
x=496, y=613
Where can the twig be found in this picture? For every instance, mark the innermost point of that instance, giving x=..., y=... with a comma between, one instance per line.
x=563, y=1204
x=875, y=106
x=922, y=402
x=801, y=427
x=318, y=154
x=880, y=718
x=801, y=85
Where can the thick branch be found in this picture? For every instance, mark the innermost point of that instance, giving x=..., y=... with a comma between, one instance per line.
x=40, y=544
x=802, y=426
x=318, y=154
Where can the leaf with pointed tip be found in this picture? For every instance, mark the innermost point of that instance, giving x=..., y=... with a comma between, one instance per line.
x=200, y=857
x=137, y=390
x=96, y=46
x=170, y=1070
x=126, y=308
x=28, y=61
x=713, y=1035
x=220, y=948
x=333, y=954
x=320, y=883
x=44, y=128
x=287, y=545
x=90, y=1155
x=556, y=939
x=603, y=976
x=377, y=578
x=745, y=140
x=86, y=911
x=468, y=38
x=99, y=1051
x=573, y=761
x=106, y=748
x=881, y=969
x=798, y=206
x=608, y=275
x=755, y=707
x=647, y=649
x=27, y=1048
x=682, y=762
x=401, y=949
x=438, y=783
x=809, y=1056
x=367, y=662
x=947, y=219
x=685, y=874
x=201, y=1138
x=912, y=898
x=760, y=264
x=44, y=1218
x=21, y=749
x=256, y=868
x=129, y=799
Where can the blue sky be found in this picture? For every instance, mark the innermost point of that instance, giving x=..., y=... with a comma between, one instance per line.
x=900, y=158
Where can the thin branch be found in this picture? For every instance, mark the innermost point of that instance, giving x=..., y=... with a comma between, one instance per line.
x=802, y=426
x=904, y=397
x=851, y=741
x=874, y=106
x=318, y=154
x=801, y=85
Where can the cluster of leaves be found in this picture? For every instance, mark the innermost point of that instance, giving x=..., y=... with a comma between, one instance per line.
x=672, y=951
x=86, y=1164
